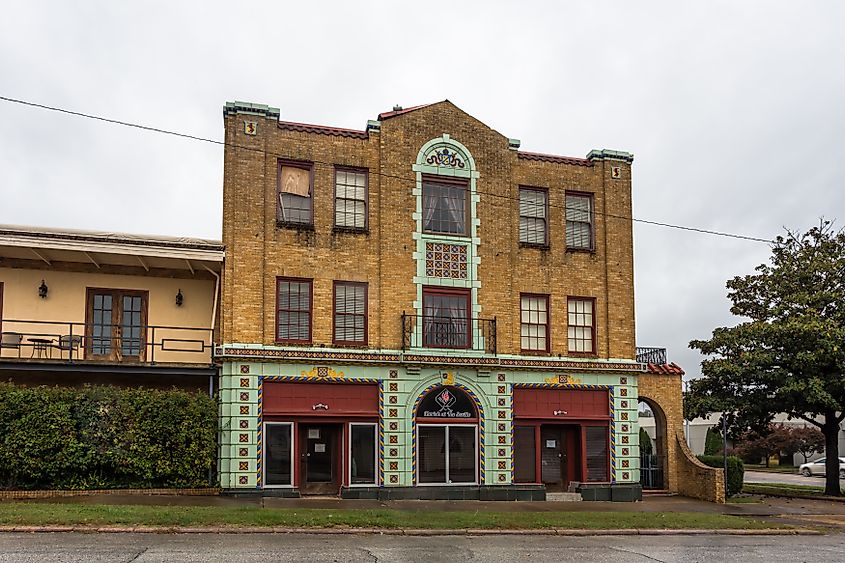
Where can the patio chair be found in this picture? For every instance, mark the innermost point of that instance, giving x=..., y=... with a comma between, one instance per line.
x=70, y=344
x=11, y=340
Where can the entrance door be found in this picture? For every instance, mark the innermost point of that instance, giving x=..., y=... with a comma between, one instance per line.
x=320, y=467
x=553, y=459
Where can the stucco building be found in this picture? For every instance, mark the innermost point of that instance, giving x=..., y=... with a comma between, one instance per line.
x=419, y=309
x=81, y=307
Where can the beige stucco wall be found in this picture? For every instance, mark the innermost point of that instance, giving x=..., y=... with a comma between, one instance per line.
x=66, y=302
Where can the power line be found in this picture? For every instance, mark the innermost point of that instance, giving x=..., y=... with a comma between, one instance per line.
x=383, y=174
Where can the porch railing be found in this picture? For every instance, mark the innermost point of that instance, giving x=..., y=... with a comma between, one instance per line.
x=651, y=355
x=26, y=339
x=456, y=333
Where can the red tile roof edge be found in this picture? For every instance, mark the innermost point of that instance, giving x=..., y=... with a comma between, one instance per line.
x=554, y=158
x=322, y=130
x=666, y=369
x=388, y=114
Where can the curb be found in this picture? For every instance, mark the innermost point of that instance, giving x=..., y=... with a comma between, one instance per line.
x=405, y=532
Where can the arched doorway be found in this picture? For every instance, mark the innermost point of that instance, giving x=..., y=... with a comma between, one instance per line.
x=653, y=454
x=446, y=426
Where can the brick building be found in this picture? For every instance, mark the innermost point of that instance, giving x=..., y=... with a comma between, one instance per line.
x=421, y=310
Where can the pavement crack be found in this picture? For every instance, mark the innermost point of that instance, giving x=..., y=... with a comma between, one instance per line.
x=649, y=557
x=139, y=554
x=370, y=553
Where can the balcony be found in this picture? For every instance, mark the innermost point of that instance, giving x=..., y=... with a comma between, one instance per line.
x=651, y=355
x=102, y=343
x=450, y=333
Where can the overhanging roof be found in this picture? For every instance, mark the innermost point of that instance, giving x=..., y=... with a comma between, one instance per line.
x=118, y=249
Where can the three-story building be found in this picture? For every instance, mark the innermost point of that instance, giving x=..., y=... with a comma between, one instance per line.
x=421, y=310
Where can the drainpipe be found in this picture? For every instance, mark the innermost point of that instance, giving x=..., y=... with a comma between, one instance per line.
x=212, y=470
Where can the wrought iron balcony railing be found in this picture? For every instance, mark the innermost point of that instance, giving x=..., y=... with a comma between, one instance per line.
x=103, y=342
x=456, y=333
x=651, y=355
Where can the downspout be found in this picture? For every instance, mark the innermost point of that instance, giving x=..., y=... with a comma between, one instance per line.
x=606, y=260
x=212, y=469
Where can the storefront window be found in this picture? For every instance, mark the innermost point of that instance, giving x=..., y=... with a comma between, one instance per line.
x=278, y=445
x=447, y=451
x=525, y=452
x=362, y=444
x=596, y=453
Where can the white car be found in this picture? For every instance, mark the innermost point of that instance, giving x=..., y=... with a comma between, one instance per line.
x=817, y=468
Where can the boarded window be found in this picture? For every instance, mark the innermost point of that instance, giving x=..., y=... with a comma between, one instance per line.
x=295, y=201
x=579, y=221
x=596, y=453
x=532, y=216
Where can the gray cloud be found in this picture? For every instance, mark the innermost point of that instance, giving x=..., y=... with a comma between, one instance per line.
x=733, y=110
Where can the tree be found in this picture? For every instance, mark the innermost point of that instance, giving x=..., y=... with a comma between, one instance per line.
x=787, y=354
x=645, y=442
x=808, y=440
x=713, y=443
x=753, y=446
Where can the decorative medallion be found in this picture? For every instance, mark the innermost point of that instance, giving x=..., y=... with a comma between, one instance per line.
x=243, y=466
x=623, y=392
x=502, y=427
x=501, y=465
x=243, y=480
x=244, y=409
x=394, y=425
x=244, y=382
x=394, y=439
x=625, y=439
x=624, y=404
x=444, y=157
x=625, y=475
x=502, y=452
x=394, y=374
x=623, y=381
x=625, y=451
x=394, y=479
x=394, y=387
x=563, y=379
x=501, y=389
x=244, y=396
x=394, y=466
x=501, y=401
x=626, y=463
x=502, y=414
x=394, y=452
x=323, y=372
x=624, y=415
x=502, y=477
x=501, y=377
x=624, y=428
x=244, y=424
x=243, y=438
x=503, y=439
x=243, y=452
x=393, y=413
x=251, y=128
x=392, y=399
x=245, y=368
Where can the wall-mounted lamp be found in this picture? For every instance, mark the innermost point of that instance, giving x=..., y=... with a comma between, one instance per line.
x=179, y=298
x=558, y=413
x=42, y=290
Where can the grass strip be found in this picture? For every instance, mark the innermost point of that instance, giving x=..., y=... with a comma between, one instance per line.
x=26, y=513
x=804, y=491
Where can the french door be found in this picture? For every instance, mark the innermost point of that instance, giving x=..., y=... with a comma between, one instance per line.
x=116, y=327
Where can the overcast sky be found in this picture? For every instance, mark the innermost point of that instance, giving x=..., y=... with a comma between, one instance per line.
x=734, y=111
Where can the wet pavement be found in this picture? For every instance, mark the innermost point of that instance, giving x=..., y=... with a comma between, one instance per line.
x=784, y=478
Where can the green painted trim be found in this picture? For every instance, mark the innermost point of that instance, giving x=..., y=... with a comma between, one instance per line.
x=250, y=109
x=609, y=154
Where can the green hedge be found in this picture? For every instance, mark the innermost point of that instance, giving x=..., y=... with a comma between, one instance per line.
x=104, y=437
x=736, y=470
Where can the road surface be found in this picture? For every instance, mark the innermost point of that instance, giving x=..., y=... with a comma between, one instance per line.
x=246, y=548
x=785, y=478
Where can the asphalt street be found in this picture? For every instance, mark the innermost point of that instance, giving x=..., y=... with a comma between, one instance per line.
x=785, y=478
x=244, y=548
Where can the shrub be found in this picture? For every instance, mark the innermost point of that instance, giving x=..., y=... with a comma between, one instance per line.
x=713, y=443
x=736, y=471
x=104, y=437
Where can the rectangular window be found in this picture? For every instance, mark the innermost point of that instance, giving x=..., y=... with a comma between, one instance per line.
x=362, y=454
x=534, y=326
x=525, y=454
x=278, y=454
x=350, y=199
x=582, y=325
x=295, y=191
x=445, y=206
x=447, y=454
x=350, y=313
x=293, y=310
x=579, y=221
x=446, y=322
x=533, y=211
x=116, y=326
x=596, y=453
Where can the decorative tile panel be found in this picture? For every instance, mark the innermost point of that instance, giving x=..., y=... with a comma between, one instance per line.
x=244, y=396
x=444, y=260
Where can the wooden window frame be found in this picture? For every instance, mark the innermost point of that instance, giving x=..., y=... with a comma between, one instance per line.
x=451, y=291
x=344, y=228
x=335, y=340
x=117, y=319
x=310, y=281
x=592, y=198
x=545, y=245
x=547, y=297
x=304, y=165
x=449, y=181
x=594, y=352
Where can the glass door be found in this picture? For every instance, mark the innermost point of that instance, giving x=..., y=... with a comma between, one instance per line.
x=318, y=455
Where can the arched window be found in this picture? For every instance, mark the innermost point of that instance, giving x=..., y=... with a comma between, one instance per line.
x=447, y=437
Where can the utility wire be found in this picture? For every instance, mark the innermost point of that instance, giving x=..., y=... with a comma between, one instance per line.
x=383, y=174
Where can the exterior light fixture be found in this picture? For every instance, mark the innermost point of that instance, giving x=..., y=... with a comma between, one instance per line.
x=179, y=298
x=42, y=290
x=558, y=413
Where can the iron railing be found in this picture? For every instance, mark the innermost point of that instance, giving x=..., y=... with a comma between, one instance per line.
x=651, y=355
x=456, y=333
x=104, y=342
x=651, y=471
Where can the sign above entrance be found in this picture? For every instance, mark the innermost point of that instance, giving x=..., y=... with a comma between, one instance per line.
x=446, y=401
